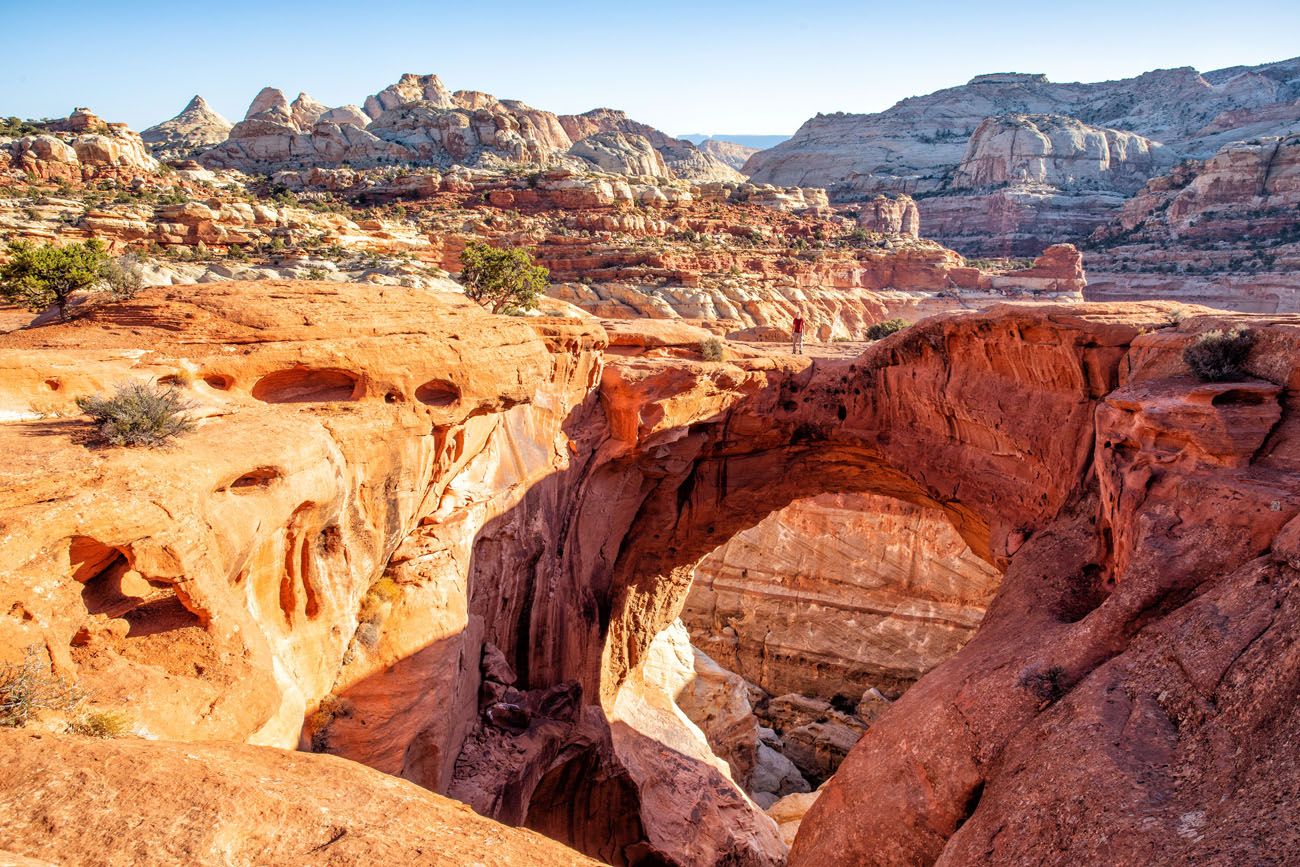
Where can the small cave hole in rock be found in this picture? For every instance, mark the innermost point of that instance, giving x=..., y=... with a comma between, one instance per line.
x=253, y=480
x=307, y=385
x=219, y=381
x=1242, y=397
x=438, y=392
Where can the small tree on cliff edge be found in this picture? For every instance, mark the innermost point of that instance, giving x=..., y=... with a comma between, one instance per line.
x=504, y=281
x=41, y=276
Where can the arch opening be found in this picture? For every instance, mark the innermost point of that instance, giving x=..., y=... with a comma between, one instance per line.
x=806, y=627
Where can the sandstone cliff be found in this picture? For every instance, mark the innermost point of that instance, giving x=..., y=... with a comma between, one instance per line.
x=1081, y=148
x=838, y=594
x=458, y=537
x=1223, y=231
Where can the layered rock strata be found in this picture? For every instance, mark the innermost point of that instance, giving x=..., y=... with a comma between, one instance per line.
x=1223, y=232
x=1009, y=163
x=442, y=481
x=837, y=594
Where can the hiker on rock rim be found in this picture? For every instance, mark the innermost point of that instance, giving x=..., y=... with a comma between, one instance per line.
x=796, y=333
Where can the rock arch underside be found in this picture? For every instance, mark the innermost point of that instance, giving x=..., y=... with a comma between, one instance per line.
x=441, y=544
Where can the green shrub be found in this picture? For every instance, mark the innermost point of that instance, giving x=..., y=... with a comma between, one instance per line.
x=29, y=687
x=1047, y=685
x=138, y=415
x=884, y=329
x=100, y=724
x=1219, y=356
x=504, y=281
x=15, y=127
x=123, y=276
x=42, y=276
x=711, y=349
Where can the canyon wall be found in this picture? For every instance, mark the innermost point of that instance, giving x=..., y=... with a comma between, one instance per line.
x=1223, y=232
x=837, y=594
x=466, y=533
x=1009, y=163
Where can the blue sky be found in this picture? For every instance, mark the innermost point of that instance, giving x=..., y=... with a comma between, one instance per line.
x=685, y=67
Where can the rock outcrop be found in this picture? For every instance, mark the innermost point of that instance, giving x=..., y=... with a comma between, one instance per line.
x=1223, y=232
x=685, y=159
x=71, y=800
x=836, y=594
x=1058, y=151
x=78, y=149
x=189, y=133
x=729, y=152
x=1063, y=157
x=419, y=122
x=620, y=154
x=461, y=536
x=1028, y=179
x=892, y=215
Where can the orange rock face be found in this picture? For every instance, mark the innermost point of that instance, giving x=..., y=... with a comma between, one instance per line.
x=835, y=594
x=76, y=800
x=443, y=543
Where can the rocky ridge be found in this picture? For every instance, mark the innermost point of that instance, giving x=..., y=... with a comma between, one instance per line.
x=419, y=122
x=197, y=128
x=988, y=156
x=735, y=257
x=1223, y=232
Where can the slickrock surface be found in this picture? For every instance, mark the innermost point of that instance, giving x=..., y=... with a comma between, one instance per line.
x=1223, y=232
x=189, y=133
x=443, y=544
x=1010, y=163
x=838, y=593
x=75, y=800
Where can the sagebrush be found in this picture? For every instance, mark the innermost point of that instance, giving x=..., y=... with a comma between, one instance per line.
x=884, y=329
x=711, y=349
x=139, y=415
x=1219, y=356
x=29, y=687
x=100, y=724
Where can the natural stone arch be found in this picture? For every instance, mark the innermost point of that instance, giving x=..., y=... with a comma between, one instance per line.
x=987, y=418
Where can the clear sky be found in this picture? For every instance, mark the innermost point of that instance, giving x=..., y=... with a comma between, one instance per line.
x=710, y=67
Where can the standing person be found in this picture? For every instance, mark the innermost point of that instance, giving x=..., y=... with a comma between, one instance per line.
x=796, y=333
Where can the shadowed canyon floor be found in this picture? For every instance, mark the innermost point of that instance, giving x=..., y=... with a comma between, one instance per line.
x=443, y=544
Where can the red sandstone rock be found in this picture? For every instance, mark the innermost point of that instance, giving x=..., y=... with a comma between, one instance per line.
x=449, y=479
x=77, y=800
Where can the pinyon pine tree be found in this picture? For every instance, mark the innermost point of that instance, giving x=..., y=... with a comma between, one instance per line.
x=504, y=281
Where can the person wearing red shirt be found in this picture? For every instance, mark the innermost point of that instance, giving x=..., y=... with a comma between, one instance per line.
x=796, y=333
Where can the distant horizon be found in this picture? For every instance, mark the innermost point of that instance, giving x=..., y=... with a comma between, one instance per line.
x=757, y=66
